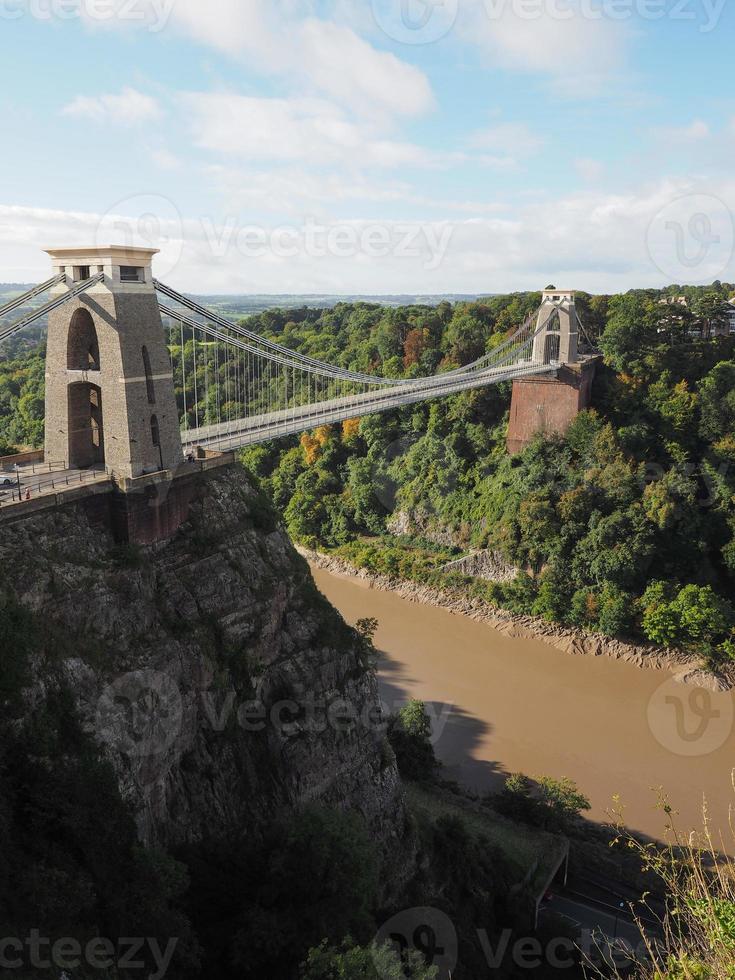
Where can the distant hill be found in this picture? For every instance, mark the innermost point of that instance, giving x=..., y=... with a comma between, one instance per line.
x=257, y=302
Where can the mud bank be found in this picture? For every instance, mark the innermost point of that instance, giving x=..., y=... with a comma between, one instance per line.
x=685, y=668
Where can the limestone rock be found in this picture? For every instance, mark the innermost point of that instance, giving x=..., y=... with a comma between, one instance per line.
x=166, y=647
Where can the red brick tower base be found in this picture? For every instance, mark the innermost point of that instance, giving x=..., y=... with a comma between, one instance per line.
x=549, y=403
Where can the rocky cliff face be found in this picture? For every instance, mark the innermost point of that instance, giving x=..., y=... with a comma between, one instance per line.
x=220, y=684
x=488, y=565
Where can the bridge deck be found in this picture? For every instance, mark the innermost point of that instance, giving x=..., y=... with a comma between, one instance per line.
x=260, y=428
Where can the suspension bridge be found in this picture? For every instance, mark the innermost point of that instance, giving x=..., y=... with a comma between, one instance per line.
x=141, y=377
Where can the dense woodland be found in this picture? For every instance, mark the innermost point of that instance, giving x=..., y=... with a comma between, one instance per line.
x=626, y=526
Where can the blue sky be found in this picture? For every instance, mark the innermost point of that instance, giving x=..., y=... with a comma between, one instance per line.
x=373, y=145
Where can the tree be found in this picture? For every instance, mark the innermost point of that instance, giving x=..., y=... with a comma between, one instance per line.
x=516, y=800
x=409, y=733
x=258, y=904
x=417, y=341
x=712, y=312
x=693, y=616
x=547, y=802
x=628, y=333
x=615, y=610
x=350, y=429
x=350, y=962
x=561, y=801
x=465, y=338
x=717, y=402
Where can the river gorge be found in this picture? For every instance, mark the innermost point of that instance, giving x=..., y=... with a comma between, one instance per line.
x=502, y=704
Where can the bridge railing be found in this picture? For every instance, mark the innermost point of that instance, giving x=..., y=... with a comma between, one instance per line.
x=39, y=487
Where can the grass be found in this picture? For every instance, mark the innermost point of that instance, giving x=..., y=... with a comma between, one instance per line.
x=532, y=853
x=699, y=924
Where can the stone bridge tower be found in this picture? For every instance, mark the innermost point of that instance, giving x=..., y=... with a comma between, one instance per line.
x=549, y=402
x=557, y=340
x=109, y=387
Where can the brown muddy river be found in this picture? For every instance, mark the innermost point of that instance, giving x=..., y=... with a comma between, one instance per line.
x=507, y=705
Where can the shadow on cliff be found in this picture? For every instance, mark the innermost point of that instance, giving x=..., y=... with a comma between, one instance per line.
x=458, y=735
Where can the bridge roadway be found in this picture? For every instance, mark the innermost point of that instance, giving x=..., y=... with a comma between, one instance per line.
x=38, y=480
x=260, y=428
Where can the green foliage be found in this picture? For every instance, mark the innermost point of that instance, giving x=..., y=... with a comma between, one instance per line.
x=258, y=905
x=697, y=933
x=693, y=616
x=546, y=802
x=351, y=962
x=561, y=801
x=717, y=393
x=409, y=733
x=69, y=849
x=22, y=386
x=641, y=488
x=366, y=629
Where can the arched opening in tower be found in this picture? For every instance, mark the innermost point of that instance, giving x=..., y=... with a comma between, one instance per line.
x=86, y=428
x=552, y=348
x=83, y=349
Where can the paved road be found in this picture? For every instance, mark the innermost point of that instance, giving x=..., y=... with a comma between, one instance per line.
x=603, y=934
x=41, y=482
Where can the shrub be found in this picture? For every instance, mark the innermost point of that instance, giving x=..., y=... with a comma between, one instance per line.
x=409, y=733
x=693, y=616
x=350, y=962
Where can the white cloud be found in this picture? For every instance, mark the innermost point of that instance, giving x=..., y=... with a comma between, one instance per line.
x=589, y=240
x=695, y=132
x=292, y=190
x=514, y=140
x=234, y=26
x=578, y=52
x=310, y=131
x=589, y=170
x=127, y=108
x=350, y=70
x=164, y=159
x=280, y=38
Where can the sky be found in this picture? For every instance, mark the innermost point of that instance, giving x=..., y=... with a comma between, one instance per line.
x=373, y=146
